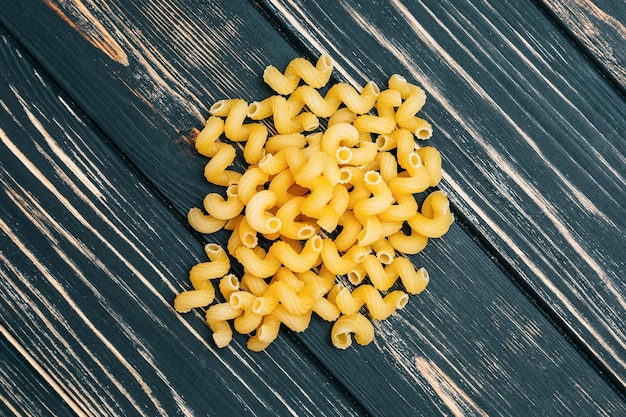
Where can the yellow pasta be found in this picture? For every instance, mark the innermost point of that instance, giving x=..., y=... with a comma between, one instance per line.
x=248, y=320
x=379, y=308
x=357, y=103
x=217, y=317
x=338, y=201
x=299, y=68
x=295, y=302
x=217, y=207
x=278, y=108
x=342, y=264
x=257, y=215
x=204, y=223
x=414, y=281
x=346, y=325
x=414, y=99
x=228, y=285
x=435, y=218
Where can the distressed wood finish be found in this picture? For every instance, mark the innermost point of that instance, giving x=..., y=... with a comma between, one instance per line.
x=91, y=259
x=531, y=134
x=145, y=72
x=24, y=391
x=600, y=27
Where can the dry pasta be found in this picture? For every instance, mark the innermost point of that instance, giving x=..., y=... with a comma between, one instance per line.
x=312, y=207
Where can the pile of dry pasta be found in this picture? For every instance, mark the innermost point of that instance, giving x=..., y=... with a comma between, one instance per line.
x=320, y=220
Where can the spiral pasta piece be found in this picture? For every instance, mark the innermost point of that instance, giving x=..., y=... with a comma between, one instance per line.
x=216, y=172
x=357, y=103
x=298, y=262
x=299, y=69
x=221, y=209
x=247, y=321
x=379, y=307
x=342, y=264
x=217, y=317
x=257, y=215
x=278, y=107
x=435, y=218
x=414, y=281
x=204, y=223
x=414, y=99
x=346, y=325
x=295, y=302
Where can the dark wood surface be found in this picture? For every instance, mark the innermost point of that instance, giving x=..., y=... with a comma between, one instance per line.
x=524, y=312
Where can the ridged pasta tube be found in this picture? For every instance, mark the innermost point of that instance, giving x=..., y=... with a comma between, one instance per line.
x=342, y=264
x=379, y=308
x=431, y=159
x=217, y=317
x=277, y=142
x=215, y=205
x=306, y=259
x=253, y=284
x=209, y=136
x=414, y=281
x=200, y=276
x=257, y=215
x=381, y=200
x=295, y=302
x=387, y=102
x=278, y=108
x=346, y=325
x=204, y=223
x=414, y=99
x=228, y=285
x=216, y=172
x=405, y=208
x=435, y=218
x=268, y=331
x=385, y=252
x=247, y=234
x=376, y=273
x=257, y=262
x=290, y=228
x=340, y=134
x=235, y=112
x=248, y=320
x=299, y=69
x=411, y=244
x=357, y=103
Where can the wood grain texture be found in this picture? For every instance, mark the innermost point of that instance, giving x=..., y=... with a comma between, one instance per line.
x=22, y=390
x=90, y=262
x=473, y=343
x=532, y=136
x=600, y=27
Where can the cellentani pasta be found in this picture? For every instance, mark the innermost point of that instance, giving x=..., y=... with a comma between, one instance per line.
x=325, y=213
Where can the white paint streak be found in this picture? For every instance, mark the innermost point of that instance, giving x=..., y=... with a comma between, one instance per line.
x=52, y=381
x=459, y=403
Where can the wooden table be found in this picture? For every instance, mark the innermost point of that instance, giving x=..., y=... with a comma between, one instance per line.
x=524, y=314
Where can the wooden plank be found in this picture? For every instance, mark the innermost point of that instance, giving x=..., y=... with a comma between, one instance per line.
x=90, y=262
x=532, y=137
x=473, y=343
x=23, y=389
x=598, y=26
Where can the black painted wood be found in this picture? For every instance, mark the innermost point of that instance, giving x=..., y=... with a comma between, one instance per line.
x=531, y=133
x=599, y=28
x=472, y=343
x=23, y=390
x=91, y=260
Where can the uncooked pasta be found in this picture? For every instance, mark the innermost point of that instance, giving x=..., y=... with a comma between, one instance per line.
x=325, y=211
